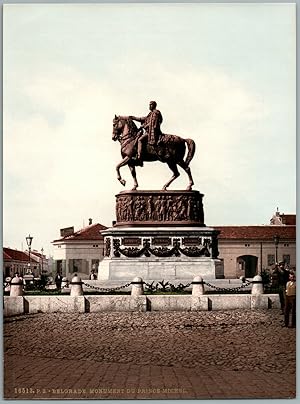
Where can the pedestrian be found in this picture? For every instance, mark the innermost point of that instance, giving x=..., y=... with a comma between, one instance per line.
x=290, y=301
x=280, y=276
x=93, y=276
x=58, y=280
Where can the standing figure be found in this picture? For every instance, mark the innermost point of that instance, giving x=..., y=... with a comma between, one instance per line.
x=137, y=207
x=157, y=208
x=149, y=210
x=279, y=278
x=290, y=301
x=58, y=280
x=130, y=204
x=169, y=208
x=93, y=276
x=163, y=208
x=151, y=123
x=182, y=208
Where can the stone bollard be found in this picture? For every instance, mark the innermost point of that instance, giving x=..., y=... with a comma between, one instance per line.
x=76, y=286
x=198, y=286
x=137, y=287
x=16, y=286
x=257, y=286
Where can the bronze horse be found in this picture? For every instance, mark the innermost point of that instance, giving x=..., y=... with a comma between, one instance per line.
x=170, y=151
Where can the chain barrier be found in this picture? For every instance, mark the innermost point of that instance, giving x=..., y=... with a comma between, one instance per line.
x=244, y=285
x=159, y=286
x=107, y=289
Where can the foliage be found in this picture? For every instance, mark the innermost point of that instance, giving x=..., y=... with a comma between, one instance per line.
x=266, y=276
x=163, y=287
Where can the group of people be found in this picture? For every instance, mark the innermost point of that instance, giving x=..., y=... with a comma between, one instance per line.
x=285, y=280
x=58, y=278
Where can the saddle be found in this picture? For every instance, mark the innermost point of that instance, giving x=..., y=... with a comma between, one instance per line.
x=159, y=149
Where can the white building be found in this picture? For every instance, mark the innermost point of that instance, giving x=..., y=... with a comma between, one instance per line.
x=78, y=252
x=246, y=250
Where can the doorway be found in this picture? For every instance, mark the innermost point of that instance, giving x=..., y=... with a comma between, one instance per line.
x=248, y=265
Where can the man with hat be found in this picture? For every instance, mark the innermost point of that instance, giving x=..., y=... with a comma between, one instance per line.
x=280, y=277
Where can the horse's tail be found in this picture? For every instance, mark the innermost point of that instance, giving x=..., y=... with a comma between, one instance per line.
x=191, y=150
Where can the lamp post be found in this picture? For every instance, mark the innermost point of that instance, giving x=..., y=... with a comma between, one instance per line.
x=29, y=241
x=276, y=242
x=42, y=251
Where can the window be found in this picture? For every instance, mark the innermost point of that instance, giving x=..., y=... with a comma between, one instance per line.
x=286, y=245
x=286, y=259
x=95, y=245
x=77, y=265
x=247, y=245
x=271, y=259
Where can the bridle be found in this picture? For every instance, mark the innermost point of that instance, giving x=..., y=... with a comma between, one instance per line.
x=117, y=134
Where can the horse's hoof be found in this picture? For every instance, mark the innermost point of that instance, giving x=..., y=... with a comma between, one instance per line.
x=123, y=182
x=189, y=188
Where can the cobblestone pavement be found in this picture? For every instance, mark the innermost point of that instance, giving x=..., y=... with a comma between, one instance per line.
x=157, y=355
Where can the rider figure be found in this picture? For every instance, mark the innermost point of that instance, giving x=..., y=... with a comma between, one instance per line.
x=151, y=123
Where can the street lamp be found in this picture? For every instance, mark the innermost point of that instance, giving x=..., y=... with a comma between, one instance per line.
x=42, y=251
x=276, y=241
x=29, y=241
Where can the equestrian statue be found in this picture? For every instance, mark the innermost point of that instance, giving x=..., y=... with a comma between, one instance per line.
x=148, y=143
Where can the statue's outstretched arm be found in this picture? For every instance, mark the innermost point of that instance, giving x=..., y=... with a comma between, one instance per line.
x=134, y=118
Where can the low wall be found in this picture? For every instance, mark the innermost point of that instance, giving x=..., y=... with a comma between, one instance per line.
x=54, y=304
x=116, y=303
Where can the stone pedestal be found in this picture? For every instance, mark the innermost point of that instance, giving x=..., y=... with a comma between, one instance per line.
x=160, y=235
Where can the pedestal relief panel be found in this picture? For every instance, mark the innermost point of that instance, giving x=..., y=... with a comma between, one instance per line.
x=159, y=207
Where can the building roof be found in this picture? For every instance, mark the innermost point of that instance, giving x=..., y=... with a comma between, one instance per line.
x=289, y=220
x=15, y=255
x=6, y=256
x=91, y=232
x=266, y=233
x=37, y=254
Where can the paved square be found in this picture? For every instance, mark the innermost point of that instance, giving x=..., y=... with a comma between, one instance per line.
x=157, y=355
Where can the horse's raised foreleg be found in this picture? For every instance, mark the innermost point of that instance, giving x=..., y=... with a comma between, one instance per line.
x=189, y=173
x=173, y=167
x=133, y=173
x=121, y=164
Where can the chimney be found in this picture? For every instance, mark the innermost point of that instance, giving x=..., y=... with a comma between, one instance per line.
x=90, y=221
x=67, y=231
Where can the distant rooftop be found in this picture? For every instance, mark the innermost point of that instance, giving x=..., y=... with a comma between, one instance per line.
x=281, y=219
x=16, y=255
x=91, y=232
x=266, y=233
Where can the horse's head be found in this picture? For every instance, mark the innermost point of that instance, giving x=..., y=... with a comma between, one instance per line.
x=118, y=126
x=119, y=123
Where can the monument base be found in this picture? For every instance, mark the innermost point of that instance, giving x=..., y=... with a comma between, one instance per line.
x=160, y=253
x=168, y=269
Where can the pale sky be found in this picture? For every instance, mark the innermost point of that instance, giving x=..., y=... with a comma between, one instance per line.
x=222, y=74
